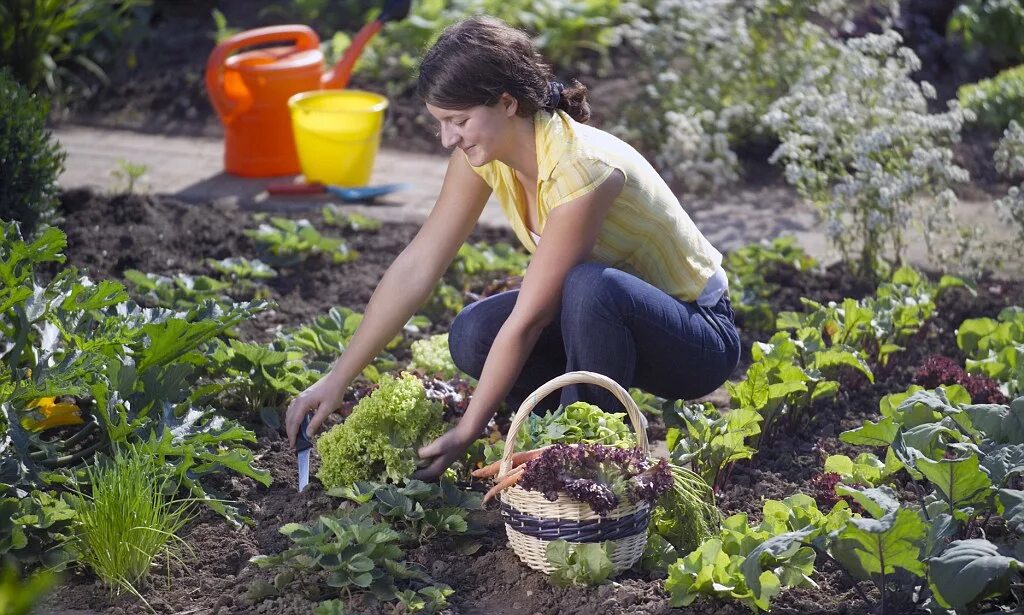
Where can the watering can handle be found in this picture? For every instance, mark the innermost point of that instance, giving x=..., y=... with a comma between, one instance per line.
x=304, y=37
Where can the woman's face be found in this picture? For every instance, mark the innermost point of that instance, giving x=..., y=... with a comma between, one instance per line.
x=480, y=131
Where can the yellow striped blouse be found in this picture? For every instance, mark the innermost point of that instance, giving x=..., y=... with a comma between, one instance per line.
x=646, y=233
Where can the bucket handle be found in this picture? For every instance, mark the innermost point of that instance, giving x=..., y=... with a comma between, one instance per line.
x=304, y=37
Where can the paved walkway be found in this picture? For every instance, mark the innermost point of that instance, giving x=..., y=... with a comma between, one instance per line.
x=191, y=169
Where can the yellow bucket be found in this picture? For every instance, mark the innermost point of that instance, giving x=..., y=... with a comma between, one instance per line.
x=337, y=133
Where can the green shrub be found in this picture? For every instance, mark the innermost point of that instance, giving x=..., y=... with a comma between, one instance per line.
x=51, y=42
x=996, y=101
x=997, y=26
x=29, y=161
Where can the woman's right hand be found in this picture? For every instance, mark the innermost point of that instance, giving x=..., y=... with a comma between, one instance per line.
x=322, y=398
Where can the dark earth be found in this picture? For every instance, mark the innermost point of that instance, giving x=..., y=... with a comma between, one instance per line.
x=107, y=235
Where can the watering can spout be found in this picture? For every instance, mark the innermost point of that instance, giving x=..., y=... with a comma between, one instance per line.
x=338, y=77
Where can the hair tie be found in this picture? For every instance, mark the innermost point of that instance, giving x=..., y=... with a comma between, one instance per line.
x=555, y=90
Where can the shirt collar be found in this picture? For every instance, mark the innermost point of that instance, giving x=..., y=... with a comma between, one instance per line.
x=552, y=134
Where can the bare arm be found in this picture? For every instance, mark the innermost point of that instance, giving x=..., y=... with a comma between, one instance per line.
x=405, y=286
x=569, y=237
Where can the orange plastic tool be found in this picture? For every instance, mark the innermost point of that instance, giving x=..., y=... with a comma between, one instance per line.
x=250, y=90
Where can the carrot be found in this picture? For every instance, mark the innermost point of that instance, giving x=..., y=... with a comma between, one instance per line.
x=507, y=481
x=518, y=459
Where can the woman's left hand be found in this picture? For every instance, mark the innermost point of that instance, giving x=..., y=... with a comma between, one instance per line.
x=442, y=452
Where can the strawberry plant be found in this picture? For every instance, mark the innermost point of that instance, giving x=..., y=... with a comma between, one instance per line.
x=285, y=242
x=419, y=511
x=359, y=556
x=238, y=269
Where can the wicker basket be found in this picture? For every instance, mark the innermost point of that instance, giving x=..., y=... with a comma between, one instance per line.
x=532, y=521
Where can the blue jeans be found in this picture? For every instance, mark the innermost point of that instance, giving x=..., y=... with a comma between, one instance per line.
x=615, y=324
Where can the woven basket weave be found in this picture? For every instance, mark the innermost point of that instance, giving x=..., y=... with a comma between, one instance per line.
x=532, y=521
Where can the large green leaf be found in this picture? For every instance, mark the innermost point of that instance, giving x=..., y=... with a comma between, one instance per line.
x=872, y=434
x=1011, y=507
x=961, y=482
x=877, y=501
x=1004, y=462
x=969, y=571
x=1001, y=424
x=870, y=547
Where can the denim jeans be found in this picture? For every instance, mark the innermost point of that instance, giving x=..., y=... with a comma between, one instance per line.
x=615, y=324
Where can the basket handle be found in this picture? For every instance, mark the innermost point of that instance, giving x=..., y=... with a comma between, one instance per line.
x=581, y=377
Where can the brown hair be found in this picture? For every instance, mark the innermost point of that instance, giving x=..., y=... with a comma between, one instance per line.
x=478, y=59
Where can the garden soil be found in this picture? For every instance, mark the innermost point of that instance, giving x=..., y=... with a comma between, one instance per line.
x=107, y=235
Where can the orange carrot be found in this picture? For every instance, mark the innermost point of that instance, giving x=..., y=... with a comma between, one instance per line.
x=507, y=481
x=518, y=459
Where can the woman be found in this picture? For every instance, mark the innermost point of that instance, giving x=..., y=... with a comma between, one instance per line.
x=621, y=281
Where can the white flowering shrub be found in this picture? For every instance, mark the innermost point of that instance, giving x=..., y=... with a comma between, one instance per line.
x=708, y=70
x=1009, y=159
x=858, y=141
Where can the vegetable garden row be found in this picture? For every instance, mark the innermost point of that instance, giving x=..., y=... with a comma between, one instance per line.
x=111, y=404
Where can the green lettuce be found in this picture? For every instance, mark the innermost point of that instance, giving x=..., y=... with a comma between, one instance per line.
x=379, y=439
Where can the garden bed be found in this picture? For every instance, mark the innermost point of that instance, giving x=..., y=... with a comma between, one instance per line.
x=108, y=235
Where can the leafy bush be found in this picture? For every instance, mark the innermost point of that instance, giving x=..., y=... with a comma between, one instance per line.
x=859, y=142
x=359, y=555
x=129, y=518
x=285, y=242
x=997, y=101
x=31, y=161
x=996, y=26
x=130, y=369
x=258, y=377
x=51, y=43
x=568, y=34
x=378, y=441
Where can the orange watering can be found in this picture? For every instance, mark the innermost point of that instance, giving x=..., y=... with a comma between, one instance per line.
x=250, y=90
